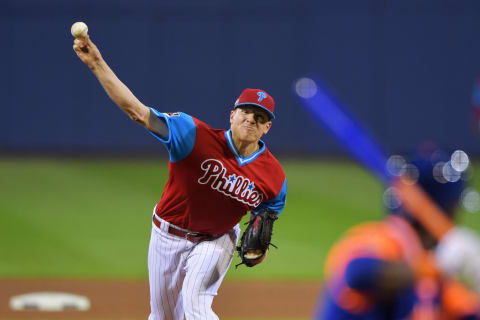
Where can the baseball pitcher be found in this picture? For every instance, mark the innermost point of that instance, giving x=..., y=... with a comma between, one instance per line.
x=215, y=177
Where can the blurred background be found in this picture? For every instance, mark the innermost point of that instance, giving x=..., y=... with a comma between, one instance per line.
x=78, y=180
x=405, y=68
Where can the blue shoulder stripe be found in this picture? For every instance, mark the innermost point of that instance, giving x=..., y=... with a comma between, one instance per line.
x=277, y=204
x=182, y=133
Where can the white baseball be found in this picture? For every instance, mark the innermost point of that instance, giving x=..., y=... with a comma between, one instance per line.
x=252, y=255
x=79, y=29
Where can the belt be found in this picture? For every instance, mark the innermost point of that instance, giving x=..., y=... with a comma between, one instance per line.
x=188, y=235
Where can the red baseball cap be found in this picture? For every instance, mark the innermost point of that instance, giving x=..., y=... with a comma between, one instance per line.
x=258, y=98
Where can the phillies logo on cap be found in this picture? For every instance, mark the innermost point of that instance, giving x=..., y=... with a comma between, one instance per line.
x=261, y=95
x=258, y=98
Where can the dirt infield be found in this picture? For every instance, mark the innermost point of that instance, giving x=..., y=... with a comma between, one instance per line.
x=129, y=299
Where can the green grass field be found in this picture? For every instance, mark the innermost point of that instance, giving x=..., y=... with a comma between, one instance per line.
x=91, y=218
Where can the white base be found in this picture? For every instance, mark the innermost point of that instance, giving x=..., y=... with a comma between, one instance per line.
x=49, y=301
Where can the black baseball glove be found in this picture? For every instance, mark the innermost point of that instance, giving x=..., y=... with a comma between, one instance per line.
x=256, y=238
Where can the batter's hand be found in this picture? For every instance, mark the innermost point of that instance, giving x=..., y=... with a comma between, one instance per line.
x=87, y=51
x=458, y=254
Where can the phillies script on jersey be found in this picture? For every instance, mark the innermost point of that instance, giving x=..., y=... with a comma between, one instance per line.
x=236, y=187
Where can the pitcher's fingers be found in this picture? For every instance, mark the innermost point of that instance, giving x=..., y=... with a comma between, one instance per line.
x=87, y=41
x=82, y=43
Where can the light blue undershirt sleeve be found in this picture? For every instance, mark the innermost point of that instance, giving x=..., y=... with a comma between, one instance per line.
x=276, y=204
x=181, y=134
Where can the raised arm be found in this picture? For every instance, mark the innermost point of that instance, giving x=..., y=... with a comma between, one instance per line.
x=88, y=52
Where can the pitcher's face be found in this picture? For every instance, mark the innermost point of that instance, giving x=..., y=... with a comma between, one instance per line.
x=249, y=123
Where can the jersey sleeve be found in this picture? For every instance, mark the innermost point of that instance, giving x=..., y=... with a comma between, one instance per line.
x=276, y=204
x=181, y=134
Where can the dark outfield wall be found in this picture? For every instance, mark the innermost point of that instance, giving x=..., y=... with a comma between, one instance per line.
x=406, y=68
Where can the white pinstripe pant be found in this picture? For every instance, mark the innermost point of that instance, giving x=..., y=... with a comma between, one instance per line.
x=185, y=276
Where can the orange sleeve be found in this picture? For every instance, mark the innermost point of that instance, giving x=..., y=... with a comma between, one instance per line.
x=458, y=301
x=366, y=240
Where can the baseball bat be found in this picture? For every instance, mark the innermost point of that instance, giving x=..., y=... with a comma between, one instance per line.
x=330, y=113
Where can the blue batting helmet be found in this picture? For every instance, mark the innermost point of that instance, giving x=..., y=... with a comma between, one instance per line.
x=441, y=181
x=440, y=175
